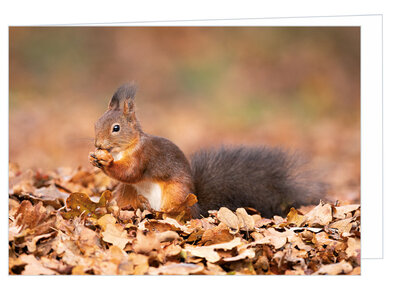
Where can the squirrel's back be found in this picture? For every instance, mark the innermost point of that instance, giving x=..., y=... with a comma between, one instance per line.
x=266, y=179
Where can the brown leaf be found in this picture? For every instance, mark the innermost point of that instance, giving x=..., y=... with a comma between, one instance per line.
x=146, y=243
x=140, y=262
x=229, y=218
x=82, y=177
x=278, y=220
x=81, y=204
x=219, y=234
x=31, y=220
x=50, y=193
x=322, y=238
x=88, y=240
x=340, y=212
x=320, y=215
x=278, y=239
x=34, y=267
x=172, y=250
x=126, y=215
x=356, y=271
x=263, y=222
x=246, y=253
x=116, y=235
x=209, y=253
x=177, y=269
x=190, y=200
x=176, y=225
x=353, y=247
x=28, y=216
x=342, y=267
x=105, y=220
x=213, y=269
x=344, y=226
x=22, y=183
x=294, y=217
x=246, y=222
x=31, y=245
x=167, y=236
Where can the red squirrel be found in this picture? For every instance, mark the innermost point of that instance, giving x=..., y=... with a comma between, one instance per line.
x=153, y=173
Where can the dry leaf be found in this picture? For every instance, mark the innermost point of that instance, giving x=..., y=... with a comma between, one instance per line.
x=167, y=236
x=320, y=215
x=278, y=239
x=344, y=226
x=229, y=218
x=116, y=235
x=353, y=247
x=28, y=216
x=340, y=212
x=176, y=225
x=34, y=267
x=342, y=267
x=246, y=222
x=105, y=220
x=177, y=269
x=219, y=234
x=294, y=217
x=209, y=253
x=81, y=204
x=146, y=243
x=246, y=253
x=89, y=241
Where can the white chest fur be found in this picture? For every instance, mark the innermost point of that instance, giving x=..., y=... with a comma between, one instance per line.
x=117, y=156
x=152, y=192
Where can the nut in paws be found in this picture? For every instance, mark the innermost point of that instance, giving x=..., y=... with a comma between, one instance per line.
x=100, y=158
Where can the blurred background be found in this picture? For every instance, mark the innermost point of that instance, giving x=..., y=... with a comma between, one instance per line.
x=297, y=88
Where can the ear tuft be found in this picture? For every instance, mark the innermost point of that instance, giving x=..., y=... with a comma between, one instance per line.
x=129, y=107
x=124, y=95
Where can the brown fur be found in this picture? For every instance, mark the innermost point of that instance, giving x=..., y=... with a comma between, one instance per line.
x=127, y=196
x=144, y=157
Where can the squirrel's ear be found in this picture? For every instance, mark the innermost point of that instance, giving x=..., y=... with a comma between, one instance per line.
x=114, y=103
x=124, y=95
x=129, y=106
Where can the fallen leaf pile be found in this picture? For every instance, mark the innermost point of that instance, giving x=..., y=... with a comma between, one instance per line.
x=65, y=222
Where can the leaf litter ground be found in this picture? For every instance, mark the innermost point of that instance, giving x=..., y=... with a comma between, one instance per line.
x=65, y=222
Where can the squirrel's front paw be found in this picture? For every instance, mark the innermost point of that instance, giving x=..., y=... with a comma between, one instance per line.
x=101, y=158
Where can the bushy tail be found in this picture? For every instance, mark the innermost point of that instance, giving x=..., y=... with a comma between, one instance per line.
x=266, y=179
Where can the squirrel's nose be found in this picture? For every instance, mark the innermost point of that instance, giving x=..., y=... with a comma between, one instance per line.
x=97, y=144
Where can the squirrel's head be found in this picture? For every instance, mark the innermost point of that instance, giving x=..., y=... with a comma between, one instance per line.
x=118, y=128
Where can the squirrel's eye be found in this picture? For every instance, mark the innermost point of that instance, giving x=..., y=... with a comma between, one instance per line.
x=116, y=128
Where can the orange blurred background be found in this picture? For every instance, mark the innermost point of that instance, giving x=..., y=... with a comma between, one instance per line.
x=298, y=88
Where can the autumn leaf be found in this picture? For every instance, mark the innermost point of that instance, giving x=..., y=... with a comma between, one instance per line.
x=31, y=220
x=209, y=252
x=177, y=268
x=218, y=234
x=246, y=222
x=116, y=235
x=34, y=266
x=320, y=215
x=344, y=226
x=294, y=217
x=341, y=212
x=105, y=220
x=342, y=267
x=229, y=218
x=81, y=204
x=145, y=243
